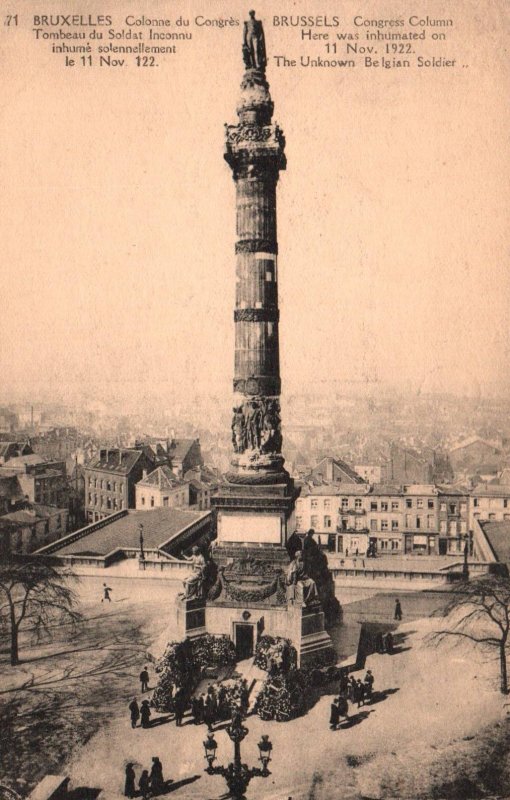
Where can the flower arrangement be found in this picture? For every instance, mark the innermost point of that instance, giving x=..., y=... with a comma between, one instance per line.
x=213, y=651
x=282, y=696
x=182, y=662
x=275, y=654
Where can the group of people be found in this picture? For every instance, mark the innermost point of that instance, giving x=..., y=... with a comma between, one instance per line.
x=216, y=706
x=209, y=707
x=384, y=643
x=351, y=690
x=150, y=783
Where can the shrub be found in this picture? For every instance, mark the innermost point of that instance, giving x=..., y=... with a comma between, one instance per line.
x=282, y=697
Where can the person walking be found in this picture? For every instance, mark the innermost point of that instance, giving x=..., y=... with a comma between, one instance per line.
x=106, y=593
x=129, y=783
x=398, y=610
x=334, y=716
x=144, y=679
x=244, y=697
x=156, y=777
x=360, y=693
x=134, y=711
x=144, y=784
x=343, y=707
x=369, y=685
x=344, y=681
x=351, y=690
x=145, y=713
x=180, y=706
x=210, y=709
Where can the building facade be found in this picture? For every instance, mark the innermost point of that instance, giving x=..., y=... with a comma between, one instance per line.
x=161, y=489
x=110, y=480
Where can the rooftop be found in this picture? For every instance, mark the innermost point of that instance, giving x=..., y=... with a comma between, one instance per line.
x=498, y=534
x=159, y=526
x=162, y=478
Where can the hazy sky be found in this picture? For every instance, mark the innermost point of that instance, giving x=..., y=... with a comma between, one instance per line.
x=117, y=221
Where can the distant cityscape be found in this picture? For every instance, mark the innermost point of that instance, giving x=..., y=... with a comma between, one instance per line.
x=379, y=474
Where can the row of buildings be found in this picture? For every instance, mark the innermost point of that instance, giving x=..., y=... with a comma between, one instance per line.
x=353, y=517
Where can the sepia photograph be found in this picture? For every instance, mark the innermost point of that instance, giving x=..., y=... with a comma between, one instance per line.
x=255, y=400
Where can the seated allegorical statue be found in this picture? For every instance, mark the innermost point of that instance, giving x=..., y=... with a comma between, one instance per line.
x=301, y=586
x=193, y=585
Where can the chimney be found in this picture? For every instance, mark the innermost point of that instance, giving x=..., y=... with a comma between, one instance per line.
x=144, y=474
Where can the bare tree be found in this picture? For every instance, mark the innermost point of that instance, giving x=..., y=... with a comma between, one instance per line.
x=36, y=597
x=479, y=610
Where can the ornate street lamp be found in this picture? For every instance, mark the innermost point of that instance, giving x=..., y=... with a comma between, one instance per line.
x=265, y=748
x=238, y=775
x=210, y=746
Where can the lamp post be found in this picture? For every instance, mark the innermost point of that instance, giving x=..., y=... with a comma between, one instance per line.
x=465, y=566
x=236, y=774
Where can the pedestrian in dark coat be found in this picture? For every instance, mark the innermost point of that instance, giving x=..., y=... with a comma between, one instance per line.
x=144, y=680
x=360, y=693
x=244, y=697
x=343, y=706
x=180, y=706
x=369, y=684
x=334, y=716
x=134, y=711
x=145, y=713
x=352, y=689
x=388, y=642
x=195, y=710
x=144, y=784
x=156, y=777
x=129, y=784
x=210, y=710
x=344, y=681
x=379, y=643
x=106, y=593
x=398, y=610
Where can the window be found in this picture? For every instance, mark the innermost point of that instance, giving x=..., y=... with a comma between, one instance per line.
x=384, y=505
x=395, y=505
x=384, y=544
x=394, y=544
x=430, y=522
x=373, y=524
x=327, y=503
x=115, y=486
x=453, y=528
x=492, y=516
x=418, y=522
x=475, y=501
x=419, y=502
x=102, y=484
x=442, y=506
x=409, y=503
x=505, y=502
x=463, y=526
x=313, y=504
x=108, y=486
x=345, y=502
x=143, y=499
x=373, y=506
x=327, y=522
x=152, y=501
x=463, y=508
x=384, y=524
x=442, y=526
x=358, y=523
x=165, y=502
x=108, y=503
x=357, y=503
x=299, y=522
x=59, y=522
x=394, y=524
x=121, y=504
x=90, y=481
x=430, y=503
x=115, y=504
x=314, y=521
x=453, y=508
x=90, y=498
